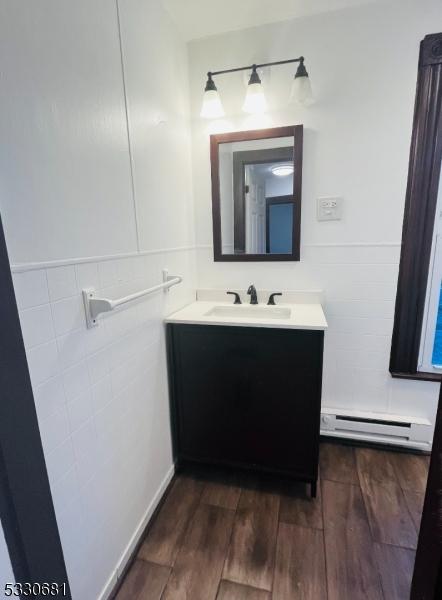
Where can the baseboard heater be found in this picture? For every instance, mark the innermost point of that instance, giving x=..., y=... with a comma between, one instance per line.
x=413, y=432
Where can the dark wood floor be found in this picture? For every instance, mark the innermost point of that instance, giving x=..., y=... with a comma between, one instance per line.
x=236, y=537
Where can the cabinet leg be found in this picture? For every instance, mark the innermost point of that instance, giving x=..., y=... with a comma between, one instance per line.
x=313, y=489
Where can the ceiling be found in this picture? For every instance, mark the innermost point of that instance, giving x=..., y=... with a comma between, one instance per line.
x=201, y=18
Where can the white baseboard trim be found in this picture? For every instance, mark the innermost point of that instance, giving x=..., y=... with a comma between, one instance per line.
x=113, y=579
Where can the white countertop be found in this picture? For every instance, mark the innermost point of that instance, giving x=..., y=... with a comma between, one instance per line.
x=302, y=315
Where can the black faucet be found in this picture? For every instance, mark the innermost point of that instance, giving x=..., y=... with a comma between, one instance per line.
x=237, y=298
x=252, y=293
x=272, y=298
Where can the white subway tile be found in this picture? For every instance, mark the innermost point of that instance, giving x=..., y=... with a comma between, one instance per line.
x=84, y=440
x=125, y=347
x=372, y=389
x=87, y=467
x=107, y=273
x=61, y=282
x=123, y=270
x=122, y=321
x=101, y=393
x=97, y=337
x=87, y=276
x=80, y=409
x=131, y=268
x=68, y=314
x=75, y=541
x=65, y=489
x=359, y=325
x=60, y=461
x=49, y=397
x=374, y=309
x=86, y=451
x=123, y=376
x=414, y=398
x=138, y=267
x=76, y=380
x=36, y=325
x=43, y=362
x=71, y=348
x=107, y=422
x=54, y=430
x=31, y=288
x=98, y=365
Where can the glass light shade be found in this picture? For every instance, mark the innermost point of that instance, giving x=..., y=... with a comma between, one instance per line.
x=282, y=170
x=255, y=100
x=302, y=91
x=212, y=107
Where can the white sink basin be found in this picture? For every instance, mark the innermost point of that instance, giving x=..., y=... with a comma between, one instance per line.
x=250, y=312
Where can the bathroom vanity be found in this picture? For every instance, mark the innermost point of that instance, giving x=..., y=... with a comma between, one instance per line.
x=245, y=384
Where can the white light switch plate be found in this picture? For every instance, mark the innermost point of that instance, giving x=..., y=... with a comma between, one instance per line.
x=329, y=208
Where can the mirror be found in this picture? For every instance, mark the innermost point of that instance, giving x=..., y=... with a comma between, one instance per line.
x=256, y=194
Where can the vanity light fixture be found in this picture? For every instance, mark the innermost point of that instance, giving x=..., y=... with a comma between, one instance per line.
x=282, y=170
x=301, y=92
x=212, y=107
x=255, y=101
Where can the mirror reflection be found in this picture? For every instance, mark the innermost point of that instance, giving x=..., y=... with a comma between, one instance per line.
x=257, y=202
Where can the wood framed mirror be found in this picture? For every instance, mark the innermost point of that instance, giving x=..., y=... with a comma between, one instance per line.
x=256, y=194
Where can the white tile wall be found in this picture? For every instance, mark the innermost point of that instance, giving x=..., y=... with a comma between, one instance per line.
x=102, y=401
x=359, y=283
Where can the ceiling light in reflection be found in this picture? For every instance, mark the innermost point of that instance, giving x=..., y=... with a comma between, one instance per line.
x=282, y=170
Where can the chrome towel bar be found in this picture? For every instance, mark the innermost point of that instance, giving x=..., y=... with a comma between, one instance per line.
x=94, y=306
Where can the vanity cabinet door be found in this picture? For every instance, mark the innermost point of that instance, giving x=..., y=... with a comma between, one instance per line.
x=246, y=396
x=210, y=392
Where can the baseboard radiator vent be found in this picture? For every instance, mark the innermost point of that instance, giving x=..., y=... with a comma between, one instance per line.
x=414, y=432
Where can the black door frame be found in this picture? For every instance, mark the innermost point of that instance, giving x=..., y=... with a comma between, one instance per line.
x=26, y=508
x=240, y=159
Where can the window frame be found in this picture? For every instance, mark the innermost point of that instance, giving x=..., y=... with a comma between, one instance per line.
x=433, y=296
x=419, y=215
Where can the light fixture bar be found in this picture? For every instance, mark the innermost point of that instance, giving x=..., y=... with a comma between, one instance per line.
x=260, y=66
x=255, y=101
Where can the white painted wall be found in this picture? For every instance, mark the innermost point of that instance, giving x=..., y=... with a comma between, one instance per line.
x=363, y=65
x=72, y=212
x=6, y=574
x=65, y=170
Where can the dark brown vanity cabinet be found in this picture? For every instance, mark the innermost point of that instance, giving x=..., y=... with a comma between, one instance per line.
x=246, y=397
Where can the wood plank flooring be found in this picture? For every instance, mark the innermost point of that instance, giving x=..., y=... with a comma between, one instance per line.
x=224, y=536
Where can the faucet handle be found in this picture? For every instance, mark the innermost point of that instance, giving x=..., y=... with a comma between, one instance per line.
x=252, y=293
x=272, y=298
x=237, y=298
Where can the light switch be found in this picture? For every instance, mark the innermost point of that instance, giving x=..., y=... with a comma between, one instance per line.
x=330, y=208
